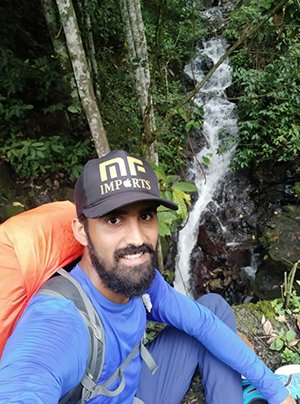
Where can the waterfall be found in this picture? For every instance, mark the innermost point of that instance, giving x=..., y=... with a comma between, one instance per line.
x=219, y=122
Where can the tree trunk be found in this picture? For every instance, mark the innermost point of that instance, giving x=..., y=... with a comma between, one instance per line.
x=90, y=48
x=138, y=56
x=59, y=45
x=82, y=75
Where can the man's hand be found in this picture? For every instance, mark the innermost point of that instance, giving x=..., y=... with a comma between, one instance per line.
x=288, y=400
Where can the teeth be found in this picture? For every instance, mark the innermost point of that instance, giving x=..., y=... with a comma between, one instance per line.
x=133, y=256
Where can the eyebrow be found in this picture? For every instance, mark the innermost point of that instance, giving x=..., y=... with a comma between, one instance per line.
x=116, y=212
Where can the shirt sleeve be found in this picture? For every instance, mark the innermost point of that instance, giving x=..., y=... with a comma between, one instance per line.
x=182, y=312
x=47, y=354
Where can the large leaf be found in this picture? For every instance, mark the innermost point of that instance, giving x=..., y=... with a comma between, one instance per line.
x=167, y=195
x=179, y=198
x=165, y=220
x=185, y=186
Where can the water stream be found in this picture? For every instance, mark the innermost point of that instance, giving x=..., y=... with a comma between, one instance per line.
x=219, y=123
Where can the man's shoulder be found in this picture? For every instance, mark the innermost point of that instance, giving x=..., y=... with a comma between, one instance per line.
x=45, y=306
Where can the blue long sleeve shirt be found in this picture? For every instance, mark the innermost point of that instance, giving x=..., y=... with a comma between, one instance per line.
x=47, y=354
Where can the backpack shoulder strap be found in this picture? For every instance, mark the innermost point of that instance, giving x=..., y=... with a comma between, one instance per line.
x=66, y=286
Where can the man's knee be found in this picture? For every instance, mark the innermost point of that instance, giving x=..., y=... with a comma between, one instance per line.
x=212, y=300
x=218, y=305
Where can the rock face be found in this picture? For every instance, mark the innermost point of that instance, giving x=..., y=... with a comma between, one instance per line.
x=250, y=236
x=281, y=239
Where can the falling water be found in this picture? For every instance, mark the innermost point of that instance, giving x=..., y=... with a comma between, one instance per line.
x=219, y=122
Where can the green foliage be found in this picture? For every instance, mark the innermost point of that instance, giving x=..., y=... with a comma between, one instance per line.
x=269, y=121
x=34, y=98
x=33, y=159
x=30, y=95
x=266, y=82
x=290, y=357
x=282, y=339
x=176, y=191
x=153, y=329
x=172, y=27
x=239, y=19
x=289, y=294
x=286, y=340
x=172, y=143
x=297, y=189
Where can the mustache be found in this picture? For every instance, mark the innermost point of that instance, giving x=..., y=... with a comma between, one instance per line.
x=131, y=249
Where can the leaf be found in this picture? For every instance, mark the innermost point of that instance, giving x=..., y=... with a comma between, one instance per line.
x=185, y=186
x=166, y=195
x=74, y=109
x=161, y=175
x=206, y=160
x=37, y=144
x=267, y=328
x=277, y=345
x=18, y=204
x=290, y=335
x=298, y=321
x=167, y=216
x=271, y=340
x=281, y=318
x=179, y=199
x=294, y=342
x=163, y=229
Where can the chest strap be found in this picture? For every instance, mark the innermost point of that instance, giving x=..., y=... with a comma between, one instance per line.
x=93, y=391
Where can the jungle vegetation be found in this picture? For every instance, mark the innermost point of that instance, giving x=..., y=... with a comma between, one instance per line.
x=125, y=67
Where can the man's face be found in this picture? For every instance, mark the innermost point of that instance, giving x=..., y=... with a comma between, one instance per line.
x=122, y=248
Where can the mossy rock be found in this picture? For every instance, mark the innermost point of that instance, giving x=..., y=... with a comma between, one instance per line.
x=282, y=237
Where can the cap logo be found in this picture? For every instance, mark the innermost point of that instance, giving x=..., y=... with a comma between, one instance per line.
x=112, y=170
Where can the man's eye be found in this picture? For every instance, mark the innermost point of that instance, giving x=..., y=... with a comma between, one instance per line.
x=147, y=215
x=113, y=220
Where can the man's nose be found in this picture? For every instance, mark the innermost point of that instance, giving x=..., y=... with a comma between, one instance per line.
x=135, y=234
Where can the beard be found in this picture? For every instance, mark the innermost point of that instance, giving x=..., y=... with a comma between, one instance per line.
x=126, y=280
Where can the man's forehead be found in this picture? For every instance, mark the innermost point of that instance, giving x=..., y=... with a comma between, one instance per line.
x=134, y=207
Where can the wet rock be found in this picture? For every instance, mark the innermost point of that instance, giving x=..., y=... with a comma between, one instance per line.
x=267, y=283
x=204, y=64
x=251, y=225
x=282, y=238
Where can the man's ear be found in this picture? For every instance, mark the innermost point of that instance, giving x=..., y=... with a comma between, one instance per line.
x=79, y=232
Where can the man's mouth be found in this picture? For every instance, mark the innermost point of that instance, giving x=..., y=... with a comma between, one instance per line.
x=133, y=256
x=133, y=253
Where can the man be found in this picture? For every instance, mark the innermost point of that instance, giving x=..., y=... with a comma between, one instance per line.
x=116, y=199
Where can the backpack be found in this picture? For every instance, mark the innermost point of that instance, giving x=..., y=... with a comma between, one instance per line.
x=33, y=245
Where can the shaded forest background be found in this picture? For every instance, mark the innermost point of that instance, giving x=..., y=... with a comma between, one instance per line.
x=44, y=133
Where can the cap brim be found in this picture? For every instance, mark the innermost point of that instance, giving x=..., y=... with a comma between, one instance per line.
x=117, y=201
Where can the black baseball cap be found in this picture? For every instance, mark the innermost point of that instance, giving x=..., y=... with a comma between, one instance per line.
x=115, y=180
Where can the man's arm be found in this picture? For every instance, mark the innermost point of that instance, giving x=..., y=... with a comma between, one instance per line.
x=177, y=310
x=47, y=354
